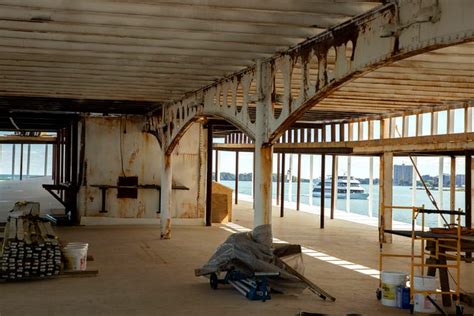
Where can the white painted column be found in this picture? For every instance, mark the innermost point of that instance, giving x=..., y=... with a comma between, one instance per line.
x=290, y=179
x=218, y=173
x=311, y=166
x=440, y=190
x=452, y=188
x=371, y=186
x=386, y=187
x=263, y=150
x=166, y=190
x=348, y=188
x=419, y=124
x=467, y=119
x=413, y=184
x=434, y=123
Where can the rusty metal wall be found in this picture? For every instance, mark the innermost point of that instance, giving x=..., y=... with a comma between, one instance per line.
x=116, y=146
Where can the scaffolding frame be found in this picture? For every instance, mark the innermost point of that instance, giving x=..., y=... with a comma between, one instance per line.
x=442, y=245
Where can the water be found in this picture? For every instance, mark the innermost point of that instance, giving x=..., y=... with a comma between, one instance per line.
x=402, y=196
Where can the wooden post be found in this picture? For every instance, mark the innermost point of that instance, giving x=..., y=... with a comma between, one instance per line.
x=333, y=185
x=468, y=190
x=323, y=188
x=290, y=180
x=21, y=161
x=386, y=187
x=371, y=186
x=413, y=183
x=468, y=194
x=348, y=185
x=277, y=197
x=282, y=190
x=217, y=166
x=13, y=160
x=419, y=124
x=440, y=189
x=74, y=171
x=311, y=180
x=434, y=123
x=298, y=184
x=45, y=160
x=452, y=188
x=28, y=159
x=236, y=191
x=209, y=176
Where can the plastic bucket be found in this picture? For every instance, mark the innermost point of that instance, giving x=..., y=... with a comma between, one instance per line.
x=421, y=302
x=76, y=256
x=390, y=282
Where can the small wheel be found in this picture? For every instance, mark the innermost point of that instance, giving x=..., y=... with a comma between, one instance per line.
x=378, y=293
x=213, y=281
x=459, y=310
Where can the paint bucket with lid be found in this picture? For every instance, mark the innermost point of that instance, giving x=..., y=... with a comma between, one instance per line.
x=421, y=302
x=76, y=256
x=390, y=282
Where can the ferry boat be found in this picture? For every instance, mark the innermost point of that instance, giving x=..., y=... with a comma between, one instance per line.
x=357, y=192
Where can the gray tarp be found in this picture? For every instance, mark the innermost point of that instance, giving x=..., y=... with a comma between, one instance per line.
x=251, y=252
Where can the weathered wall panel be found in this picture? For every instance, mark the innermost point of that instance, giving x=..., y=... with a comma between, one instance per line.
x=117, y=146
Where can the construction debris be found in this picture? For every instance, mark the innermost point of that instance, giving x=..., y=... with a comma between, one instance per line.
x=30, y=247
x=254, y=266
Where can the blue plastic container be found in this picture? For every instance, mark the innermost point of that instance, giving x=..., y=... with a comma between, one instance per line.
x=403, y=297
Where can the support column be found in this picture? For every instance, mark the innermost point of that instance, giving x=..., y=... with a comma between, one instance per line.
x=323, y=190
x=282, y=190
x=334, y=185
x=13, y=161
x=468, y=190
x=263, y=149
x=166, y=189
x=28, y=159
x=452, y=188
x=217, y=166
x=311, y=166
x=386, y=187
x=46, y=159
x=468, y=194
x=298, y=184
x=371, y=186
x=277, y=197
x=236, y=191
x=440, y=190
x=290, y=179
x=348, y=186
x=21, y=162
x=413, y=184
x=209, y=176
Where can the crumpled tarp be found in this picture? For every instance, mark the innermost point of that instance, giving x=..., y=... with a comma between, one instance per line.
x=251, y=252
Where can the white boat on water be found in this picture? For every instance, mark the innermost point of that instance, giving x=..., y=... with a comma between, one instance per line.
x=357, y=192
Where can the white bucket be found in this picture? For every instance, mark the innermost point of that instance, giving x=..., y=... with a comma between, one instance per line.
x=421, y=302
x=76, y=256
x=390, y=282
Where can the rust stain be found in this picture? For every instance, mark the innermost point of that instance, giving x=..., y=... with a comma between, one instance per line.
x=133, y=156
x=141, y=209
x=188, y=210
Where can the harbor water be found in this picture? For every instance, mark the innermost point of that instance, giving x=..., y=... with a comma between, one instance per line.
x=402, y=196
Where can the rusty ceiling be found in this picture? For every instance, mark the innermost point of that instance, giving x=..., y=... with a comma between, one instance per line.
x=121, y=56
